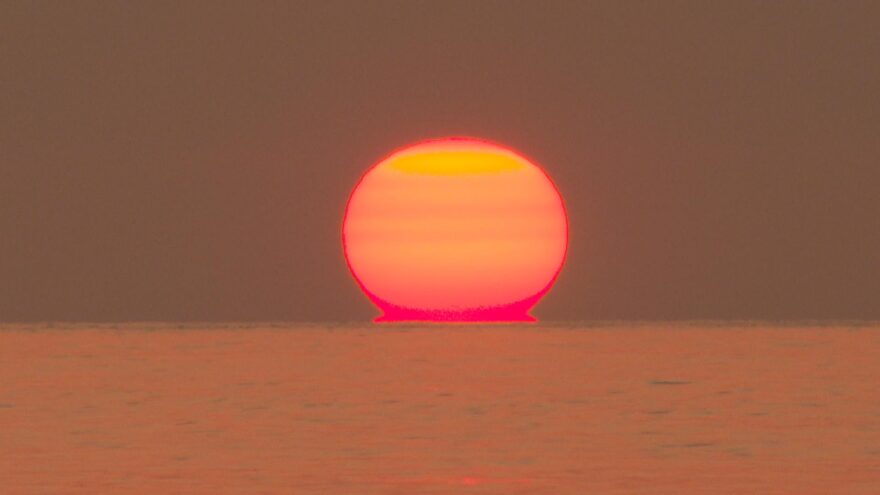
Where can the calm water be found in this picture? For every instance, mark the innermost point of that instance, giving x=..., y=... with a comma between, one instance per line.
x=548, y=409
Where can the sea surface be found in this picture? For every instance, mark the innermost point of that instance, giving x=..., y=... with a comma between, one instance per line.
x=709, y=408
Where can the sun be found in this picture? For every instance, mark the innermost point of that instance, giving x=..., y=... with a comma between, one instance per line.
x=455, y=229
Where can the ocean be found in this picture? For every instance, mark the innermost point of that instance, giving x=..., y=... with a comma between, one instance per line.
x=558, y=408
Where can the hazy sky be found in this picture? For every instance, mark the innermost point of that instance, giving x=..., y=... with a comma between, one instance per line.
x=183, y=160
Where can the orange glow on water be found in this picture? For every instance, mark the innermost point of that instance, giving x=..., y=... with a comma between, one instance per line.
x=455, y=229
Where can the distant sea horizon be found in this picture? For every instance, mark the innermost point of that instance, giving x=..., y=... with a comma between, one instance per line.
x=579, y=323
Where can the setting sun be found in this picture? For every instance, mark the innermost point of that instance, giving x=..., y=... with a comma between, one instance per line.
x=455, y=229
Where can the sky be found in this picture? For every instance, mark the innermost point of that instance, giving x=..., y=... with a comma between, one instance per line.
x=192, y=160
